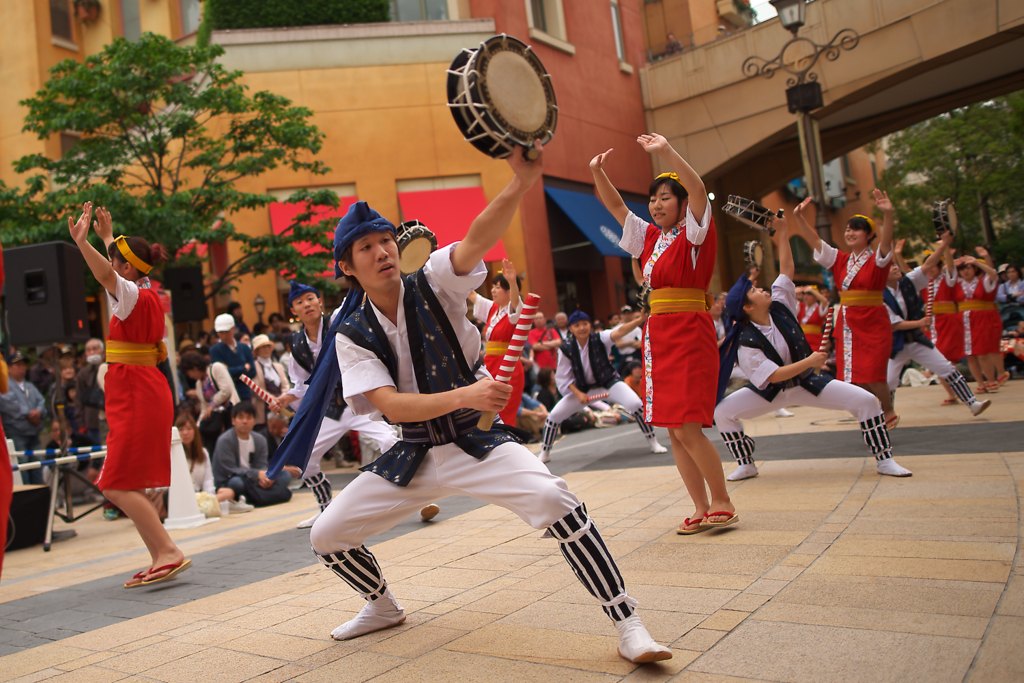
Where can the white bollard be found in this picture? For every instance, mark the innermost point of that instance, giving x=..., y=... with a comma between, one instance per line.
x=182, y=508
x=19, y=477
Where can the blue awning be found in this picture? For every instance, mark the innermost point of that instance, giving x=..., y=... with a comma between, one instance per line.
x=593, y=220
x=642, y=211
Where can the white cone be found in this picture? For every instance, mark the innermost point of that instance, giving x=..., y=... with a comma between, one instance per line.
x=182, y=508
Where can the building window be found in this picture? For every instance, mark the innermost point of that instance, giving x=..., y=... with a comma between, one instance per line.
x=547, y=16
x=620, y=48
x=190, y=16
x=131, y=20
x=60, y=19
x=419, y=10
x=68, y=141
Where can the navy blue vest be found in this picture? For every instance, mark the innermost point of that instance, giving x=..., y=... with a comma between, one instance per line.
x=604, y=373
x=799, y=349
x=303, y=355
x=915, y=311
x=440, y=365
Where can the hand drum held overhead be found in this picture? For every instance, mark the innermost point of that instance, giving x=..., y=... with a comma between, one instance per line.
x=416, y=243
x=515, y=350
x=753, y=254
x=944, y=218
x=751, y=214
x=501, y=97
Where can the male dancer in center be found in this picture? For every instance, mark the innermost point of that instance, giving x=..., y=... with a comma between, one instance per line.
x=410, y=353
x=305, y=304
x=584, y=369
x=909, y=342
x=767, y=342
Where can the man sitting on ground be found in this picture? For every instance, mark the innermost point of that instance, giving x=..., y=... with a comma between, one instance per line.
x=240, y=462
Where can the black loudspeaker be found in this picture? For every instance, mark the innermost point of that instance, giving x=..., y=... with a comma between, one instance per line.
x=26, y=525
x=45, y=294
x=187, y=300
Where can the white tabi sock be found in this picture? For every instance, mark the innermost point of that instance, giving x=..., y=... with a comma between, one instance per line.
x=636, y=644
x=889, y=467
x=743, y=472
x=376, y=615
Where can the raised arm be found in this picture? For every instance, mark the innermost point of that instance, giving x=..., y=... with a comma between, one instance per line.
x=610, y=197
x=625, y=328
x=898, y=257
x=993, y=275
x=888, y=224
x=688, y=178
x=492, y=222
x=784, y=249
x=940, y=252
x=97, y=262
x=804, y=229
x=508, y=269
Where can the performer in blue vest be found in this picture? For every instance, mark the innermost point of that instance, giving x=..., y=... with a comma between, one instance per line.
x=771, y=350
x=409, y=352
x=585, y=370
x=909, y=342
x=307, y=344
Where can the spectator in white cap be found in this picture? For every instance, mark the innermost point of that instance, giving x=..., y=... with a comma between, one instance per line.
x=270, y=375
x=237, y=357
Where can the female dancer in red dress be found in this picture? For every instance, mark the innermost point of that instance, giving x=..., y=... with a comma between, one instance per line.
x=680, y=354
x=6, y=477
x=862, y=331
x=811, y=310
x=138, y=401
x=500, y=316
x=947, y=328
x=983, y=327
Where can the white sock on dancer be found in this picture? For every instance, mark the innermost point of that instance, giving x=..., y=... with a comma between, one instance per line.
x=376, y=615
x=636, y=644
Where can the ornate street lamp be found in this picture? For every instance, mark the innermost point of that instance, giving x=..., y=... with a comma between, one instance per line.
x=260, y=305
x=797, y=58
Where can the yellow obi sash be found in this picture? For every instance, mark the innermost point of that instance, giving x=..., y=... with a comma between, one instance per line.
x=495, y=348
x=944, y=308
x=811, y=329
x=679, y=300
x=134, y=353
x=976, y=305
x=861, y=297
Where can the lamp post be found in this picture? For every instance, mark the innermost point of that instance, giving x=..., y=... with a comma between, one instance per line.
x=804, y=92
x=260, y=305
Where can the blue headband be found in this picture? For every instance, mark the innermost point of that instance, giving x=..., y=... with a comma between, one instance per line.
x=297, y=289
x=360, y=221
x=578, y=316
x=729, y=349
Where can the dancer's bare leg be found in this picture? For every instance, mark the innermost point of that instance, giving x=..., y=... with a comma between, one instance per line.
x=704, y=457
x=136, y=505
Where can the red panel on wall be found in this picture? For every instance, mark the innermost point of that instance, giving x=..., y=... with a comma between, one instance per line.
x=282, y=214
x=448, y=214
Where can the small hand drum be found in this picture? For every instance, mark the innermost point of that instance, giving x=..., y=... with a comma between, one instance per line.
x=415, y=245
x=501, y=96
x=753, y=254
x=751, y=213
x=944, y=218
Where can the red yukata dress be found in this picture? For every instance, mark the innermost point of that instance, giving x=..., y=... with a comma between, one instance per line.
x=498, y=332
x=948, y=327
x=811, y=322
x=863, y=333
x=6, y=476
x=140, y=411
x=983, y=327
x=680, y=350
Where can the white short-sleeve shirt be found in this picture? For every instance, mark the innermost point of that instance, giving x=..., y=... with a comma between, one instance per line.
x=827, y=256
x=362, y=371
x=563, y=373
x=634, y=230
x=753, y=362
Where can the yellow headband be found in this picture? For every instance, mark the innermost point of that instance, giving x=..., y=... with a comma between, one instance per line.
x=130, y=257
x=871, y=223
x=673, y=176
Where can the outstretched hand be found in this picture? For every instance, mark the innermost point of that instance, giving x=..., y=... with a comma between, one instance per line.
x=104, y=225
x=80, y=230
x=597, y=163
x=508, y=269
x=527, y=171
x=653, y=143
x=882, y=201
x=982, y=252
x=899, y=245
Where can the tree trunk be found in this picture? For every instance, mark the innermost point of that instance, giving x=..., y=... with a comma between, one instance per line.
x=986, y=226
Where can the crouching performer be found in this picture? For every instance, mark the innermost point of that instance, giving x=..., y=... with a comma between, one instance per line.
x=772, y=351
x=410, y=353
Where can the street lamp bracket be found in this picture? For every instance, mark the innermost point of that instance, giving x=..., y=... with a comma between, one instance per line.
x=801, y=51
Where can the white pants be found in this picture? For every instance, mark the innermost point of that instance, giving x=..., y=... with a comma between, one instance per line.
x=619, y=392
x=745, y=404
x=510, y=476
x=932, y=359
x=332, y=430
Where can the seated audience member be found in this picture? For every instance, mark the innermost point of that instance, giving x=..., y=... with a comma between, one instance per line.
x=532, y=414
x=240, y=462
x=273, y=431
x=22, y=410
x=634, y=376
x=200, y=467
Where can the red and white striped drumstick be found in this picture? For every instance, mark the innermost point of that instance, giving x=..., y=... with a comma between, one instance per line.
x=597, y=397
x=826, y=331
x=933, y=288
x=267, y=398
x=515, y=351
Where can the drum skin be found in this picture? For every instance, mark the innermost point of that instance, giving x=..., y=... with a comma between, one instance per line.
x=416, y=243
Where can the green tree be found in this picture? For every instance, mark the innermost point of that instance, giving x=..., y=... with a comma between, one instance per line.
x=972, y=155
x=167, y=137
